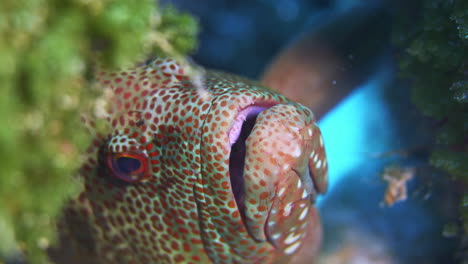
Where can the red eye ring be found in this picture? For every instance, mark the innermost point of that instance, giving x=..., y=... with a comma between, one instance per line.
x=129, y=166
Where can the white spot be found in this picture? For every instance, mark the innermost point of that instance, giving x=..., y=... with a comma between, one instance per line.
x=69, y=102
x=312, y=154
x=289, y=250
x=294, y=128
x=303, y=214
x=101, y=108
x=315, y=158
x=281, y=191
x=287, y=209
x=302, y=205
x=271, y=223
x=273, y=211
x=43, y=243
x=291, y=238
x=321, y=141
x=286, y=166
x=299, y=184
x=319, y=164
x=304, y=195
x=204, y=93
x=276, y=236
x=310, y=132
x=297, y=152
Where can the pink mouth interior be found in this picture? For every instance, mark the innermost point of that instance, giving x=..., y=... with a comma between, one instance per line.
x=238, y=135
x=244, y=122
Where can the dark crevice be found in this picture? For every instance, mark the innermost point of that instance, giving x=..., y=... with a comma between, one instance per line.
x=237, y=156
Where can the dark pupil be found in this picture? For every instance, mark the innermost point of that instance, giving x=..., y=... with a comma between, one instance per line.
x=128, y=165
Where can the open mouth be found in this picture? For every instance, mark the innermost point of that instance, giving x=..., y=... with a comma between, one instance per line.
x=240, y=131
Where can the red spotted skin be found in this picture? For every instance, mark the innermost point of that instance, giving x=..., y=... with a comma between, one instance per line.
x=183, y=210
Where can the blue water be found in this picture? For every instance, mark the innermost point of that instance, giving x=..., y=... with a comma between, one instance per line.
x=357, y=134
x=357, y=129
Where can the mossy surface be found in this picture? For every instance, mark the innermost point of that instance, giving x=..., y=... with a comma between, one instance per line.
x=49, y=51
x=434, y=58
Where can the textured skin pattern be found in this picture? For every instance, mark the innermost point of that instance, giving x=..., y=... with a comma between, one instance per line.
x=200, y=187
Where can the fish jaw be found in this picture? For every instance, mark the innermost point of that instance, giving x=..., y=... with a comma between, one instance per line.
x=280, y=186
x=224, y=233
x=257, y=192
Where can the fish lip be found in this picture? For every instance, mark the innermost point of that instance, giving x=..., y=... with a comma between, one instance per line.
x=247, y=115
x=252, y=110
x=240, y=130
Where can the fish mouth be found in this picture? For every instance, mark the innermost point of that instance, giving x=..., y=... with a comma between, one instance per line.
x=240, y=131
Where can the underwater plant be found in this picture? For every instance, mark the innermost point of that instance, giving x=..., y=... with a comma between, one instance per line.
x=49, y=50
x=434, y=59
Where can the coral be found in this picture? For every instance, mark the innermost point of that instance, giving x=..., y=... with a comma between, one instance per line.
x=49, y=50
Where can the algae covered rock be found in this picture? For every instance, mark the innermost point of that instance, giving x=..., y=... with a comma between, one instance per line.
x=49, y=50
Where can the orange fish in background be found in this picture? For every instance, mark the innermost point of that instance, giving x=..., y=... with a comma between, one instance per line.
x=223, y=173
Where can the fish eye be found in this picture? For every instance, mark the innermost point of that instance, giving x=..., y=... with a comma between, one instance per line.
x=128, y=166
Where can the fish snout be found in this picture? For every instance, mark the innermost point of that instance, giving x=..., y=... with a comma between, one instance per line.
x=277, y=167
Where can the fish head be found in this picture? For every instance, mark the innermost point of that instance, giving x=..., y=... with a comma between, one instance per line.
x=226, y=173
